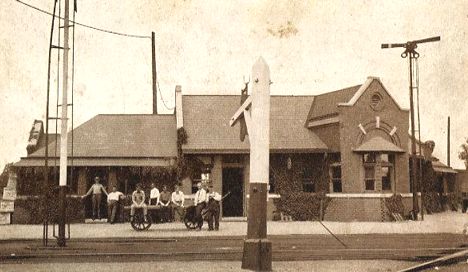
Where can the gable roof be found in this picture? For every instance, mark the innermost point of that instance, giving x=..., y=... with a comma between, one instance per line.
x=206, y=121
x=326, y=105
x=121, y=135
x=363, y=88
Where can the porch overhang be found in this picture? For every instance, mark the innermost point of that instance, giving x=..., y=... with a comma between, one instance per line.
x=147, y=162
x=378, y=144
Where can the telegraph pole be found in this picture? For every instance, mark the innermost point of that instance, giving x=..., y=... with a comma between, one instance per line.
x=410, y=51
x=153, y=65
x=61, y=241
x=448, y=141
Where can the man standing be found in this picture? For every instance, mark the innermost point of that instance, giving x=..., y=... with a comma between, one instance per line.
x=138, y=202
x=154, y=195
x=213, y=209
x=165, y=201
x=178, y=199
x=96, y=189
x=200, y=203
x=113, y=199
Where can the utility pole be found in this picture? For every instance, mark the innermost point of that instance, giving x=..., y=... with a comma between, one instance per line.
x=153, y=64
x=256, y=112
x=410, y=51
x=61, y=241
x=448, y=141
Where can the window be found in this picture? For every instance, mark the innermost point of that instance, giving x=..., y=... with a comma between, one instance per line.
x=369, y=177
x=335, y=175
x=271, y=182
x=383, y=162
x=386, y=169
x=308, y=184
x=369, y=158
x=386, y=178
x=200, y=175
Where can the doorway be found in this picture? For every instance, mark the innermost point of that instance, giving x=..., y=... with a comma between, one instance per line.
x=233, y=183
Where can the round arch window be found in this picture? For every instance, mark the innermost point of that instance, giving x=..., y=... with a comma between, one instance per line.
x=376, y=102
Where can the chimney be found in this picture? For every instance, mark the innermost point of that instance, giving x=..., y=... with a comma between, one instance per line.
x=178, y=107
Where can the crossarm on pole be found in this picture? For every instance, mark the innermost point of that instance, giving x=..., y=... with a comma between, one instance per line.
x=240, y=112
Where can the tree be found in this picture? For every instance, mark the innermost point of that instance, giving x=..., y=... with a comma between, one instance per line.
x=4, y=176
x=463, y=154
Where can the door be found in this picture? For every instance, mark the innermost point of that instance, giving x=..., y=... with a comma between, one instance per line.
x=233, y=183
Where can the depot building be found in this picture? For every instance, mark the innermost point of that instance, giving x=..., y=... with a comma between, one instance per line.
x=335, y=156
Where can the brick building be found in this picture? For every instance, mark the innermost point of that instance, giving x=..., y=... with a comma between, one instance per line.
x=349, y=145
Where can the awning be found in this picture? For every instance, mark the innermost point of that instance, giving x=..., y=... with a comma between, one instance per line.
x=163, y=162
x=378, y=144
x=442, y=168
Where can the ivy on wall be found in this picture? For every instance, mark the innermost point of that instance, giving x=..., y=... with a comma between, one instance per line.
x=434, y=201
x=288, y=183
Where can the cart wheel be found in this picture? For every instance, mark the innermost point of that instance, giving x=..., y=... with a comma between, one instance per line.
x=189, y=224
x=139, y=223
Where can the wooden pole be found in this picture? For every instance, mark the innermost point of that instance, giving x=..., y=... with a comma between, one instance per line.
x=257, y=248
x=153, y=64
x=414, y=177
x=63, y=131
x=448, y=141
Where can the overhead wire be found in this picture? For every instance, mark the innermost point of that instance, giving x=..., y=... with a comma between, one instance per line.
x=86, y=25
x=162, y=99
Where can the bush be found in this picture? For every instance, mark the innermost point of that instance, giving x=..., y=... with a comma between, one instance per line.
x=432, y=202
x=394, y=204
x=29, y=210
x=302, y=206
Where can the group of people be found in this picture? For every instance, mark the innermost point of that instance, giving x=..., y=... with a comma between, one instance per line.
x=206, y=202
x=171, y=204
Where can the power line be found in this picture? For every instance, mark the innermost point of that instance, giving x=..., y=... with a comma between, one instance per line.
x=85, y=25
x=162, y=99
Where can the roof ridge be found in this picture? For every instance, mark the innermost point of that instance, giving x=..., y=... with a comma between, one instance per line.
x=347, y=88
x=132, y=114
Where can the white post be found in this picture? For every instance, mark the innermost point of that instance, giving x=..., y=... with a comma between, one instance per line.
x=178, y=107
x=260, y=132
x=63, y=131
x=257, y=249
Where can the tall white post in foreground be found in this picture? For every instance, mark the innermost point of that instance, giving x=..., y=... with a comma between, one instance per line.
x=256, y=112
x=257, y=248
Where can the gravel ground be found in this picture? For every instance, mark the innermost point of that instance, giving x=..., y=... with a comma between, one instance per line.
x=448, y=222
x=322, y=266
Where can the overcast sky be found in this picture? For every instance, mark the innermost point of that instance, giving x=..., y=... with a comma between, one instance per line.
x=208, y=47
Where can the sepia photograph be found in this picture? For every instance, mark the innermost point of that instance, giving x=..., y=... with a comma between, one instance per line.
x=190, y=135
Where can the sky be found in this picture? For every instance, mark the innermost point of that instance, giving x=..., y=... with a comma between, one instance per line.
x=209, y=47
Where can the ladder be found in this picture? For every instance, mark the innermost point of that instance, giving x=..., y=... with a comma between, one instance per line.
x=48, y=188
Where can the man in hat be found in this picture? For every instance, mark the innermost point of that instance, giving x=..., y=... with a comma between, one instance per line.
x=213, y=209
x=200, y=203
x=96, y=190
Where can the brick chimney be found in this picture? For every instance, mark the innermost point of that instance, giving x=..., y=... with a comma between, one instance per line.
x=178, y=107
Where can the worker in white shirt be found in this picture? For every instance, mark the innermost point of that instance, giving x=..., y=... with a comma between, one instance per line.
x=154, y=195
x=113, y=199
x=214, y=199
x=200, y=203
x=177, y=199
